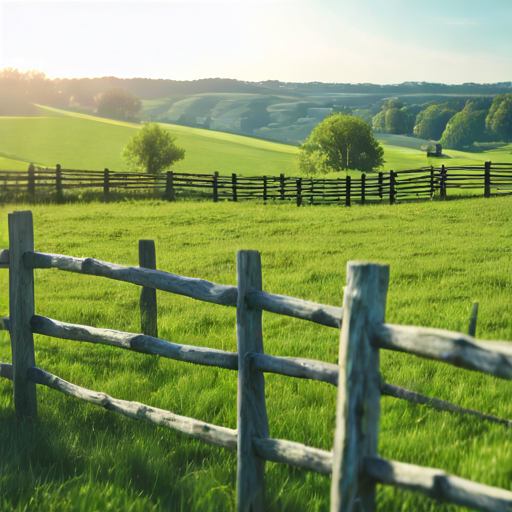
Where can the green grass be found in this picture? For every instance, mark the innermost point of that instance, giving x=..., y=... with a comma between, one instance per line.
x=81, y=141
x=442, y=257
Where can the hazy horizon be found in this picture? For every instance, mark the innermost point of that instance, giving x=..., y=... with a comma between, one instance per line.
x=368, y=41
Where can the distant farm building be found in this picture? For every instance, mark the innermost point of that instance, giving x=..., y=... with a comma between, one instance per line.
x=435, y=150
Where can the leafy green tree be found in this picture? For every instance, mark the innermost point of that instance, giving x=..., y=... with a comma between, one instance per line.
x=499, y=119
x=464, y=128
x=431, y=122
x=118, y=104
x=152, y=149
x=394, y=118
x=395, y=121
x=379, y=122
x=340, y=142
x=393, y=103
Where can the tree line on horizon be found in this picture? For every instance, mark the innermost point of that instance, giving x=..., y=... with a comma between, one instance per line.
x=457, y=123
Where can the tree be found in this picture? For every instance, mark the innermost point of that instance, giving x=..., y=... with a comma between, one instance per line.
x=340, y=142
x=118, y=104
x=464, y=128
x=394, y=118
x=152, y=149
x=431, y=122
x=499, y=119
x=379, y=122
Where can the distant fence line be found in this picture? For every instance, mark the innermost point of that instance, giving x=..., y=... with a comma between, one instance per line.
x=395, y=186
x=353, y=464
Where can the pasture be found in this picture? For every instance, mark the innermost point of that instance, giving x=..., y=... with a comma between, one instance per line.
x=81, y=141
x=442, y=256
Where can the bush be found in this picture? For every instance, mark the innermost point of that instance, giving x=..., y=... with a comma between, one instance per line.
x=152, y=149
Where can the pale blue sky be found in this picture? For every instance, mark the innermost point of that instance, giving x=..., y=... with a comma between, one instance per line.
x=451, y=41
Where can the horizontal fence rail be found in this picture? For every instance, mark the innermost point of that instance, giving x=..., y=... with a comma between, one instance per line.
x=396, y=186
x=434, y=483
x=353, y=463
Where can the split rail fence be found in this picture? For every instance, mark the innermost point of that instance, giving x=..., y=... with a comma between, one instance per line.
x=354, y=465
x=416, y=184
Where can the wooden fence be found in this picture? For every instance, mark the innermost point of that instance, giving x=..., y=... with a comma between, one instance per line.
x=353, y=464
x=415, y=184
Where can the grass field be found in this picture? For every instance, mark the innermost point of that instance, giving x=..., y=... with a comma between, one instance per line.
x=81, y=458
x=81, y=141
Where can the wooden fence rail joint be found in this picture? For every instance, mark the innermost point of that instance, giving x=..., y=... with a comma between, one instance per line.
x=6, y=370
x=4, y=258
x=329, y=316
x=4, y=324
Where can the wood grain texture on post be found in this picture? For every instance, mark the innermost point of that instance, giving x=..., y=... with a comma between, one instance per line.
x=148, y=305
x=252, y=420
x=358, y=405
x=21, y=310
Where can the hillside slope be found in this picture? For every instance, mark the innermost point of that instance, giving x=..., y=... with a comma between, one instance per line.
x=82, y=141
x=86, y=142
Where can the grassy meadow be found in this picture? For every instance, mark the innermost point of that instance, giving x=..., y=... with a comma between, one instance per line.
x=442, y=255
x=81, y=141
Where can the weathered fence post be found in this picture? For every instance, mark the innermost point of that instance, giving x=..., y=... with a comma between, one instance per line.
x=169, y=186
x=264, y=188
x=106, y=184
x=363, y=188
x=487, y=179
x=432, y=182
x=31, y=188
x=299, y=191
x=381, y=185
x=215, y=187
x=58, y=182
x=392, y=190
x=472, y=319
x=358, y=405
x=252, y=420
x=348, y=186
x=281, y=180
x=443, y=182
x=233, y=187
x=148, y=307
x=21, y=310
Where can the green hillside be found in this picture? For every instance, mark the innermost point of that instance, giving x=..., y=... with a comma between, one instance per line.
x=82, y=141
x=86, y=142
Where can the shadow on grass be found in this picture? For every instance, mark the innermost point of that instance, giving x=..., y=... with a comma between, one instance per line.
x=104, y=462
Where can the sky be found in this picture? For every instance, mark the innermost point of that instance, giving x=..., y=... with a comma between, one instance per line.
x=344, y=41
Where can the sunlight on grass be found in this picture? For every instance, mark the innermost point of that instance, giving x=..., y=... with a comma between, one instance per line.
x=442, y=257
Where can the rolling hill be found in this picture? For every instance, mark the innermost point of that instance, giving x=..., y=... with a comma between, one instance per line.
x=82, y=141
